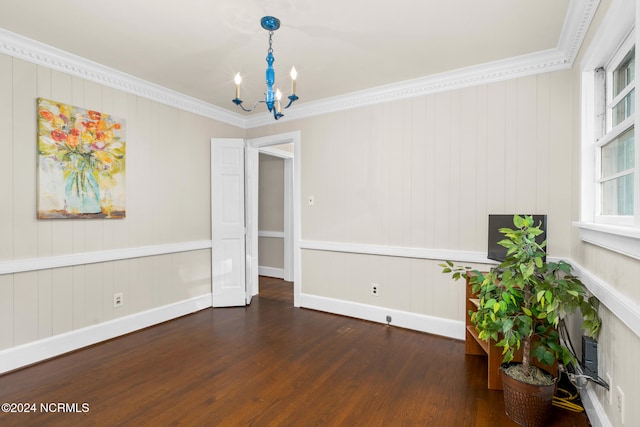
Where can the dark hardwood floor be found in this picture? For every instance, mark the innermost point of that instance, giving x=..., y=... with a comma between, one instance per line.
x=268, y=364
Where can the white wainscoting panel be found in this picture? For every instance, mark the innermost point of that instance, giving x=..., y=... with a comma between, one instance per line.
x=37, y=351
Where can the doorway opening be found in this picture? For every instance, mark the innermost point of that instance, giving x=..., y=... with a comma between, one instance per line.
x=285, y=147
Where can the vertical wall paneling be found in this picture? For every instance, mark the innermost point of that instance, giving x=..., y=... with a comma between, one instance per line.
x=6, y=171
x=442, y=168
x=456, y=157
x=510, y=177
x=496, y=147
x=62, y=299
x=560, y=163
x=94, y=294
x=436, y=166
x=79, y=287
x=142, y=284
x=526, y=151
x=429, y=186
x=373, y=218
x=467, y=165
x=481, y=167
x=419, y=302
x=407, y=173
x=25, y=302
x=25, y=232
x=6, y=312
x=418, y=182
x=168, y=203
x=108, y=289
x=45, y=309
x=543, y=123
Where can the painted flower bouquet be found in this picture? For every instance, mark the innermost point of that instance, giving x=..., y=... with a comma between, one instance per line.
x=88, y=147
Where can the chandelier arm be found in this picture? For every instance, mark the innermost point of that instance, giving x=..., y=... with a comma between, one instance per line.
x=238, y=102
x=292, y=98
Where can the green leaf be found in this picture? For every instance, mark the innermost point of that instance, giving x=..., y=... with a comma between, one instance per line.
x=490, y=304
x=518, y=221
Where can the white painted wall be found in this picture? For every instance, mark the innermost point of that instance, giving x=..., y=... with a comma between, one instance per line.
x=271, y=215
x=619, y=340
x=397, y=185
x=168, y=198
x=425, y=173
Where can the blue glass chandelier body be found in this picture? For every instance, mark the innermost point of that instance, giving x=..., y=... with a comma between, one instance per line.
x=272, y=98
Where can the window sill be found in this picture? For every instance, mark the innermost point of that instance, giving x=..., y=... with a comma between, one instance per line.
x=623, y=240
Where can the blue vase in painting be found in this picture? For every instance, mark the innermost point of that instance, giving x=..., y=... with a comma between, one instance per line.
x=82, y=192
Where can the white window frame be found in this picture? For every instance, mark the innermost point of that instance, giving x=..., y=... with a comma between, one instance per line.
x=609, y=133
x=619, y=234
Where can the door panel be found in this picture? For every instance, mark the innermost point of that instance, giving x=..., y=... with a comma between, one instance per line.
x=227, y=223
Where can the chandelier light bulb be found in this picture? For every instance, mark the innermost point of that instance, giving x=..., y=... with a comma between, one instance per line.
x=294, y=76
x=238, y=80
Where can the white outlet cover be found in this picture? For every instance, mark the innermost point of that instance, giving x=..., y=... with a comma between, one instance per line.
x=118, y=299
x=620, y=403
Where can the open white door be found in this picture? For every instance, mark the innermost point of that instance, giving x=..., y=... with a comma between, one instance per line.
x=228, y=223
x=251, y=185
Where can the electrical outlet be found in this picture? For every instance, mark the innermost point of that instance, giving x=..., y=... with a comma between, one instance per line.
x=620, y=403
x=118, y=299
x=375, y=290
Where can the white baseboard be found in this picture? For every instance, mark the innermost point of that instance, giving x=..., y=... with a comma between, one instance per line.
x=271, y=272
x=37, y=351
x=418, y=322
x=592, y=406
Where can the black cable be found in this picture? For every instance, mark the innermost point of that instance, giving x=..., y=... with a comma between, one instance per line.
x=564, y=335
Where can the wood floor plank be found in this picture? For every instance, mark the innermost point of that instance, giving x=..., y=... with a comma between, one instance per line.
x=268, y=364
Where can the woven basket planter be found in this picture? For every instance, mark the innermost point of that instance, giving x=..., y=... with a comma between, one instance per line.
x=527, y=404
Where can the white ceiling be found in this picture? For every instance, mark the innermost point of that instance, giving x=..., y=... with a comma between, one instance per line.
x=195, y=47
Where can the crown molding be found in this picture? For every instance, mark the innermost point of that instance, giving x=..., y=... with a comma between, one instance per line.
x=575, y=27
x=576, y=24
x=540, y=62
x=38, y=53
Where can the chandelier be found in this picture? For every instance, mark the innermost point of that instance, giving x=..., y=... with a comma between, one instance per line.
x=272, y=99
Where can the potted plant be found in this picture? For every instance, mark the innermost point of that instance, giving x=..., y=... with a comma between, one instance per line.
x=521, y=303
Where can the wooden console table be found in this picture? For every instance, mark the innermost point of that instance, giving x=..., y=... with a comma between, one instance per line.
x=476, y=346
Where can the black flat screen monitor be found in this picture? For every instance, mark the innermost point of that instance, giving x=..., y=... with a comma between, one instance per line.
x=497, y=252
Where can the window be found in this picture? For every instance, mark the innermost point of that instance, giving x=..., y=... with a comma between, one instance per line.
x=615, y=147
x=610, y=162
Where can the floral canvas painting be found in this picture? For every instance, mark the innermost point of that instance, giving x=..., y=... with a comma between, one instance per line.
x=81, y=162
